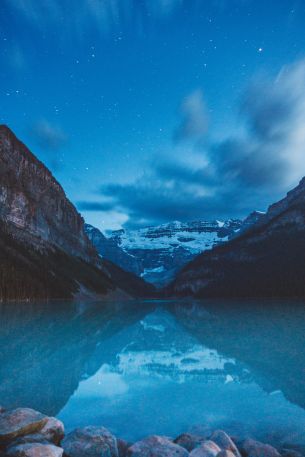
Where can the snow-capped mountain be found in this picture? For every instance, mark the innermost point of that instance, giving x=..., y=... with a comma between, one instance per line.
x=157, y=253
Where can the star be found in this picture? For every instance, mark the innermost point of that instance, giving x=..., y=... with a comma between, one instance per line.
x=260, y=49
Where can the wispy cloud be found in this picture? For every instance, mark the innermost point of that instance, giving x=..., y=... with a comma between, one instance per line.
x=106, y=15
x=94, y=206
x=50, y=139
x=242, y=173
x=48, y=136
x=194, y=118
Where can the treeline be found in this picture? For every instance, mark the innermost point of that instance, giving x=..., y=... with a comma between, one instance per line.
x=27, y=273
x=272, y=266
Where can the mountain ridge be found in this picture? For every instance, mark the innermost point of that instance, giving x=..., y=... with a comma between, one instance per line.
x=44, y=250
x=156, y=253
x=265, y=260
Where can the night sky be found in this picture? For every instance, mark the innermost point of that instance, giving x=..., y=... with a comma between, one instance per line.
x=149, y=111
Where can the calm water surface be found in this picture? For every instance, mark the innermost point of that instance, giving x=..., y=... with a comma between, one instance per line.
x=160, y=367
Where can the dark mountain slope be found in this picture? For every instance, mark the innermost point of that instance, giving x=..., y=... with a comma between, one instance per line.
x=44, y=251
x=28, y=273
x=266, y=260
x=130, y=282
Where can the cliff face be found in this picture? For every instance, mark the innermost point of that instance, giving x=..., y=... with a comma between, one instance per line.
x=44, y=251
x=34, y=204
x=268, y=259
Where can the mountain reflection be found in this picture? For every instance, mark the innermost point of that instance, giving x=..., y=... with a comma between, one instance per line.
x=46, y=349
x=58, y=356
x=268, y=336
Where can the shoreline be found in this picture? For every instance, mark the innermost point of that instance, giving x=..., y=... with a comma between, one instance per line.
x=25, y=432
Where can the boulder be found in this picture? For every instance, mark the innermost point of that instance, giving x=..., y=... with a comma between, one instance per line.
x=225, y=453
x=156, y=446
x=189, y=441
x=252, y=448
x=290, y=453
x=122, y=447
x=20, y=422
x=53, y=430
x=224, y=442
x=207, y=449
x=34, y=450
x=32, y=438
x=90, y=442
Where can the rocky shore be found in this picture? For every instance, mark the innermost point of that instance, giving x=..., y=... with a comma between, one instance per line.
x=28, y=433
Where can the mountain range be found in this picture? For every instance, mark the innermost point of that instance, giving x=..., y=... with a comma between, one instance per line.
x=48, y=252
x=157, y=253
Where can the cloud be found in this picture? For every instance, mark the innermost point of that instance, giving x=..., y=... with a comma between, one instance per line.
x=185, y=173
x=106, y=15
x=194, y=119
x=244, y=172
x=48, y=136
x=272, y=151
x=94, y=206
x=148, y=202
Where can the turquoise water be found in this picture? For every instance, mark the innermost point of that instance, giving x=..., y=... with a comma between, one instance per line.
x=160, y=367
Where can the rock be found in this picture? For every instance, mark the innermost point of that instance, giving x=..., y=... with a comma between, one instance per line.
x=252, y=448
x=53, y=430
x=34, y=450
x=189, y=441
x=122, y=447
x=225, y=442
x=90, y=442
x=156, y=446
x=32, y=438
x=225, y=453
x=290, y=453
x=20, y=422
x=207, y=449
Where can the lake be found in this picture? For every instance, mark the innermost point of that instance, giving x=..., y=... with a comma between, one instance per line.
x=160, y=367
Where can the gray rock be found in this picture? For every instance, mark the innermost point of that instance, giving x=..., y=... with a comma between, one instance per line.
x=224, y=442
x=189, y=441
x=20, y=422
x=34, y=450
x=225, y=453
x=123, y=447
x=90, y=442
x=290, y=453
x=207, y=449
x=53, y=430
x=156, y=446
x=252, y=448
x=32, y=438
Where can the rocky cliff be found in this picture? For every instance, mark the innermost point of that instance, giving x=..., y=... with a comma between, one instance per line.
x=34, y=204
x=44, y=250
x=267, y=259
